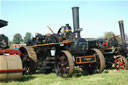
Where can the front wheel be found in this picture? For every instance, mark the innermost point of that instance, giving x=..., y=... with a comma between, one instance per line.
x=121, y=63
x=64, y=65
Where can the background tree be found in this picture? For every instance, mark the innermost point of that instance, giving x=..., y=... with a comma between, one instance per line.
x=10, y=44
x=27, y=37
x=17, y=38
x=108, y=35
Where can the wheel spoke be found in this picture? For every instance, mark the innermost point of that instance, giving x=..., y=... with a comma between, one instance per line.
x=66, y=63
x=59, y=69
x=120, y=63
x=63, y=68
x=58, y=58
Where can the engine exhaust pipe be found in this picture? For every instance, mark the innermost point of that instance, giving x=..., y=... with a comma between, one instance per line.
x=121, y=26
x=75, y=13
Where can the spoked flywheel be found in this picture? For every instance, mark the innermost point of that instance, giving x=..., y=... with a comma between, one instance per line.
x=64, y=65
x=99, y=65
x=29, y=59
x=121, y=63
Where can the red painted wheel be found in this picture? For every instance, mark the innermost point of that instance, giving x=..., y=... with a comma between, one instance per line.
x=64, y=65
x=121, y=63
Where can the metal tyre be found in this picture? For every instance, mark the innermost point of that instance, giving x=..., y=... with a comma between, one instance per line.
x=29, y=59
x=100, y=61
x=64, y=65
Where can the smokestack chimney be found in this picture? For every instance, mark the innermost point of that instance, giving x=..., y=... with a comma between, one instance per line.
x=121, y=26
x=75, y=13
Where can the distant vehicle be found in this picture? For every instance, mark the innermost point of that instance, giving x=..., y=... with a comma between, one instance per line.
x=10, y=65
x=114, y=52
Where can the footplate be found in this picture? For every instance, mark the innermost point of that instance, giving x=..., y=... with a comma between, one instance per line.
x=85, y=59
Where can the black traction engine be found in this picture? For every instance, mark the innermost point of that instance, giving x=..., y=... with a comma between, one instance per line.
x=63, y=51
x=114, y=52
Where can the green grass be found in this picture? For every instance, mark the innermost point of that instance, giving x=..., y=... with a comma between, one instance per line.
x=108, y=77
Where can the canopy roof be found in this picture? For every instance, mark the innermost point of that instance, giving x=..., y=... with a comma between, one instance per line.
x=3, y=23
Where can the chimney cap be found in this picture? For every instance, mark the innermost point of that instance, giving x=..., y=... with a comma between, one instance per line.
x=75, y=7
x=121, y=21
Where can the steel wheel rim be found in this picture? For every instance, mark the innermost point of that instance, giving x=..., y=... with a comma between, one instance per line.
x=100, y=61
x=64, y=65
x=24, y=57
x=97, y=64
x=27, y=62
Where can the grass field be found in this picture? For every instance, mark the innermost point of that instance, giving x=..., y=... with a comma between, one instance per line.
x=108, y=77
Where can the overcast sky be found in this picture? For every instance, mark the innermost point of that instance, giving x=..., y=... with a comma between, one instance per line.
x=96, y=17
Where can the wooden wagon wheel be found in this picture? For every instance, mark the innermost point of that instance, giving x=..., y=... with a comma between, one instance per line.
x=64, y=65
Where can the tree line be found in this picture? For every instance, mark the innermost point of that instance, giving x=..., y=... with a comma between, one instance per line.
x=17, y=38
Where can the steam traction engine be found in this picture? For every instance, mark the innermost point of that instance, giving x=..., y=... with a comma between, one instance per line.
x=65, y=49
x=114, y=52
x=10, y=62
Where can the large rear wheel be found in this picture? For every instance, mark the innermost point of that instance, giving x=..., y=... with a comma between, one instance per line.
x=99, y=65
x=100, y=61
x=29, y=59
x=64, y=65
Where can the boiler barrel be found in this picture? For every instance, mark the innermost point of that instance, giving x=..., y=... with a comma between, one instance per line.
x=10, y=67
